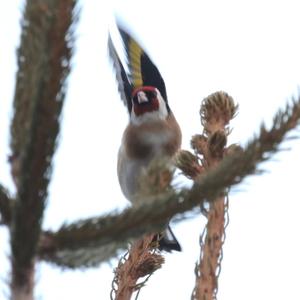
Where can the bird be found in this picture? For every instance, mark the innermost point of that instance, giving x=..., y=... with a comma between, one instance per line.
x=152, y=130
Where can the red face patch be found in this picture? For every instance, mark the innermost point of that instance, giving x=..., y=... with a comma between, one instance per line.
x=146, y=101
x=144, y=89
x=150, y=106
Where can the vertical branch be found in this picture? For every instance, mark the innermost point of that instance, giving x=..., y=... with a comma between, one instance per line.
x=216, y=112
x=211, y=251
x=6, y=204
x=43, y=66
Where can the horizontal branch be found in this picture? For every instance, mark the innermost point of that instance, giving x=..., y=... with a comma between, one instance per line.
x=79, y=257
x=116, y=230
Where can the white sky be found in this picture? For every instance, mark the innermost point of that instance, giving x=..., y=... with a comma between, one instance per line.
x=250, y=49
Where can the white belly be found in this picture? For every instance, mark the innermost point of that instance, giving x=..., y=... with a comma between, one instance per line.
x=130, y=168
x=129, y=172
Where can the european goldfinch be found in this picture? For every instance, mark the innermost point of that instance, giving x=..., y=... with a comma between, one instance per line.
x=152, y=130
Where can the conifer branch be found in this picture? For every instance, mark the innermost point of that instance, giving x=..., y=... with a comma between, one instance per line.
x=43, y=66
x=115, y=230
x=85, y=257
x=6, y=204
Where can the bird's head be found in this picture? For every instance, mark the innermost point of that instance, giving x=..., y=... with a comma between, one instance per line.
x=147, y=104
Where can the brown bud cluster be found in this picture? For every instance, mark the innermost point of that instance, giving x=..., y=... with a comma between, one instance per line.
x=216, y=111
x=150, y=264
x=199, y=144
x=188, y=164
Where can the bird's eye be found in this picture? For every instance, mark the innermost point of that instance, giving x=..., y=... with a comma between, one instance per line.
x=134, y=99
x=151, y=94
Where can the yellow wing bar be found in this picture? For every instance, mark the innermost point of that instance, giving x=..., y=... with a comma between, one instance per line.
x=135, y=52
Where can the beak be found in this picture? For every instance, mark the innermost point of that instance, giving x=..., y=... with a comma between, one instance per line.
x=142, y=98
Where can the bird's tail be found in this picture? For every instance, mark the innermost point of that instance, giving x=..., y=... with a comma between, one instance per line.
x=167, y=241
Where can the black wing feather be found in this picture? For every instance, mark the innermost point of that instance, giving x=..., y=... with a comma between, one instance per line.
x=124, y=86
x=149, y=73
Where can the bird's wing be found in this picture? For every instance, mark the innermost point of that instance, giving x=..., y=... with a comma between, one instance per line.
x=124, y=86
x=143, y=71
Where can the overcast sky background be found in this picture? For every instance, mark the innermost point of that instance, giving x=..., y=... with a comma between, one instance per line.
x=250, y=49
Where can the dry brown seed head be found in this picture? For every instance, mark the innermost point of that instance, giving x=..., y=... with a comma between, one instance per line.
x=216, y=111
x=216, y=144
x=188, y=163
x=199, y=144
x=150, y=263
